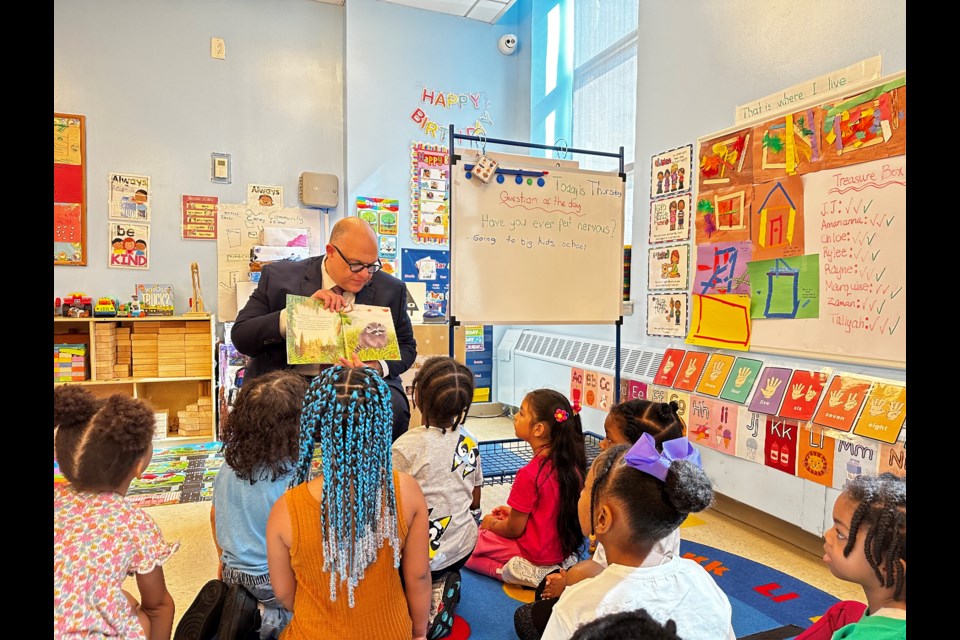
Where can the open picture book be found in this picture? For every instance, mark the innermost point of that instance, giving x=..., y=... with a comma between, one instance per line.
x=315, y=334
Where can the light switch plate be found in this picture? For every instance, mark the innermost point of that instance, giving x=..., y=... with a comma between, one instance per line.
x=218, y=49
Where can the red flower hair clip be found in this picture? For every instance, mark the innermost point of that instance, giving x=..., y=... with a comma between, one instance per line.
x=560, y=415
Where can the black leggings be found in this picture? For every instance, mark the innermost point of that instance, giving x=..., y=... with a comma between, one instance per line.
x=456, y=566
x=529, y=620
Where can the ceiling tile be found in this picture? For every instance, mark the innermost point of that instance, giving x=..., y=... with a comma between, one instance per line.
x=452, y=7
x=488, y=10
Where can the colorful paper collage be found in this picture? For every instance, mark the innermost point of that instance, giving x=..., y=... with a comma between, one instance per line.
x=868, y=126
x=429, y=193
x=776, y=227
x=785, y=288
x=724, y=215
x=725, y=161
x=722, y=268
x=721, y=320
x=787, y=146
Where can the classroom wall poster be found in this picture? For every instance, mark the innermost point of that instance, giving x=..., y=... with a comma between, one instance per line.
x=671, y=219
x=723, y=215
x=690, y=370
x=853, y=458
x=576, y=385
x=671, y=171
x=841, y=402
x=129, y=197
x=667, y=314
x=668, y=267
x=432, y=267
x=718, y=368
x=781, y=444
x=803, y=392
x=815, y=453
x=129, y=245
x=429, y=193
x=264, y=195
x=884, y=413
x=199, y=217
x=737, y=388
x=785, y=288
x=770, y=390
x=751, y=435
x=721, y=320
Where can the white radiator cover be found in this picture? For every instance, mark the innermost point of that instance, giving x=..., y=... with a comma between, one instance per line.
x=529, y=359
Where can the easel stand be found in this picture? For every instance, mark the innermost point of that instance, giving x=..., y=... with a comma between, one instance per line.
x=518, y=175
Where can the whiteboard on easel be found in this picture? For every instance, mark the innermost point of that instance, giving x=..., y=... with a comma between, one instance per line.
x=542, y=246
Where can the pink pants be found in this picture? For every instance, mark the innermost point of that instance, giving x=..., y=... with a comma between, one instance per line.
x=841, y=614
x=491, y=553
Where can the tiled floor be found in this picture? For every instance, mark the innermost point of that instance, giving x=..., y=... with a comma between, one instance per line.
x=196, y=561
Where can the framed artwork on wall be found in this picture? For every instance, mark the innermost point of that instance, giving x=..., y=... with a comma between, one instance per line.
x=69, y=190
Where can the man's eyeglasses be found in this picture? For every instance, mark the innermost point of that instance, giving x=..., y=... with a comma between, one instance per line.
x=357, y=267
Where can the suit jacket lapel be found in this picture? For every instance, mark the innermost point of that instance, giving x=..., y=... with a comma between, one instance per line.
x=312, y=277
x=366, y=295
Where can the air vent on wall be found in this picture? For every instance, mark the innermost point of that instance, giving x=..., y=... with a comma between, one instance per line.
x=591, y=354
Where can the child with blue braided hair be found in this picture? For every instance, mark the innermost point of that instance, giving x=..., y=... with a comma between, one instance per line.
x=334, y=543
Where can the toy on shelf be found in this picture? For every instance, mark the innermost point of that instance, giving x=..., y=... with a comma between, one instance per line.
x=130, y=309
x=196, y=302
x=105, y=308
x=77, y=305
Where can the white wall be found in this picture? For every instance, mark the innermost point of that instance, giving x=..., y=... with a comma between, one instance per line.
x=157, y=104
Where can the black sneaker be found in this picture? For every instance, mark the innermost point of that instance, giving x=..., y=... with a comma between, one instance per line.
x=240, y=614
x=202, y=619
x=442, y=623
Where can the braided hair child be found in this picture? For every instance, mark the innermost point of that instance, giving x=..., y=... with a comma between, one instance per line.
x=540, y=524
x=99, y=538
x=260, y=450
x=445, y=460
x=867, y=544
x=635, y=496
x=624, y=424
x=334, y=542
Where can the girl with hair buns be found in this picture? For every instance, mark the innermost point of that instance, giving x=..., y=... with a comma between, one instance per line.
x=524, y=541
x=633, y=498
x=99, y=538
x=334, y=543
x=624, y=424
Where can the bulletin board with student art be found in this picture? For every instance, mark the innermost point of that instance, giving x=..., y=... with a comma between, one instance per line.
x=69, y=190
x=799, y=227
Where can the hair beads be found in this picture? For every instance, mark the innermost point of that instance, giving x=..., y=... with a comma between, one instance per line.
x=347, y=413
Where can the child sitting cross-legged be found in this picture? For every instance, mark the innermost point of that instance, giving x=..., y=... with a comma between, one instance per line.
x=633, y=498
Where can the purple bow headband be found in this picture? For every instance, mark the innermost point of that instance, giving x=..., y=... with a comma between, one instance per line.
x=643, y=456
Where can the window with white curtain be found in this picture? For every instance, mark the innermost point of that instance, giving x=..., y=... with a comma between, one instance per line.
x=603, y=117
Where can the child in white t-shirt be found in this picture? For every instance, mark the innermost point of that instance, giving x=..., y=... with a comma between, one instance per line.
x=445, y=460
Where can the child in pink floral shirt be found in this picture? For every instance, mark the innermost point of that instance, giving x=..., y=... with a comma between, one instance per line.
x=99, y=537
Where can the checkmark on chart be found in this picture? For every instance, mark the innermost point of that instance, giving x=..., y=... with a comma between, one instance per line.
x=873, y=256
x=890, y=220
x=880, y=275
x=870, y=239
x=894, y=327
x=868, y=206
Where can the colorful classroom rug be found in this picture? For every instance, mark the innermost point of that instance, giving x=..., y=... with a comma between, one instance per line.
x=764, y=601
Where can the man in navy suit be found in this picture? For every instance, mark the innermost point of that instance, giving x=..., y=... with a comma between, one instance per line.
x=348, y=273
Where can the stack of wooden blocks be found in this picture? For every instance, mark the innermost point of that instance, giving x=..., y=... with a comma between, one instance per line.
x=122, y=368
x=105, y=350
x=197, y=350
x=197, y=418
x=170, y=349
x=163, y=421
x=69, y=362
x=144, y=349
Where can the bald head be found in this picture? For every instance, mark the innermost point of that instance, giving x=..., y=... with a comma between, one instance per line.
x=354, y=228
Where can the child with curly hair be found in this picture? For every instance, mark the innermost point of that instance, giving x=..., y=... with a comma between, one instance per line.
x=445, y=460
x=260, y=449
x=538, y=529
x=334, y=543
x=633, y=498
x=99, y=538
x=867, y=544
